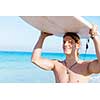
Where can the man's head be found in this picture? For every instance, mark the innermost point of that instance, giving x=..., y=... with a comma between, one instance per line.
x=71, y=42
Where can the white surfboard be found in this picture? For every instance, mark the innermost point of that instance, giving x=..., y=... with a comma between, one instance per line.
x=58, y=25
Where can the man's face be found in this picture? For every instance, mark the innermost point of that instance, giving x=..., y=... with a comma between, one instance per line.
x=69, y=45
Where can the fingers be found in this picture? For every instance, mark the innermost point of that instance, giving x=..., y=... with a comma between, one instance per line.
x=93, y=30
x=45, y=33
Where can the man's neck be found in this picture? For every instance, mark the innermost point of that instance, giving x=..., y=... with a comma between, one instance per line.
x=71, y=59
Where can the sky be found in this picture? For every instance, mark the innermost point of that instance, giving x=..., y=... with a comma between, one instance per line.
x=17, y=35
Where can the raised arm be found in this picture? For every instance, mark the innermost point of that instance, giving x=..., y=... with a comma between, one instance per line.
x=95, y=65
x=36, y=55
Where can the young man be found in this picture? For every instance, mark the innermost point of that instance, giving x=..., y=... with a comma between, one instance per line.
x=71, y=70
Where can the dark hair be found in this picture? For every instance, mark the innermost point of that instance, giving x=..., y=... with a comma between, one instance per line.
x=73, y=35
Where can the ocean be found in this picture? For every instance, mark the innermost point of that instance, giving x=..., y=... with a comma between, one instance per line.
x=16, y=67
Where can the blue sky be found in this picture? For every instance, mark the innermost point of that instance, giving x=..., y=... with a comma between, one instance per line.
x=17, y=35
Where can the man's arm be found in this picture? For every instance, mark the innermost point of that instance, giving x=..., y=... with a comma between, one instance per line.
x=94, y=66
x=36, y=55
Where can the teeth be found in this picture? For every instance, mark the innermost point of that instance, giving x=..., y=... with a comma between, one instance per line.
x=67, y=48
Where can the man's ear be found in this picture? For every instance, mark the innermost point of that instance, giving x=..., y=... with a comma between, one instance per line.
x=78, y=45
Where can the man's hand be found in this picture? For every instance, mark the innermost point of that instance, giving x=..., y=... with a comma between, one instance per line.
x=93, y=31
x=45, y=34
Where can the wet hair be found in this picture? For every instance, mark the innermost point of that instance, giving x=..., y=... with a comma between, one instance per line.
x=73, y=35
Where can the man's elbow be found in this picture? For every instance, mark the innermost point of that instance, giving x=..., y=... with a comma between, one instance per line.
x=34, y=60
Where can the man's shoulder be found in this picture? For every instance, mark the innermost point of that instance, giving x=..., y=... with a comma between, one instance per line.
x=60, y=61
x=57, y=61
x=58, y=64
x=85, y=61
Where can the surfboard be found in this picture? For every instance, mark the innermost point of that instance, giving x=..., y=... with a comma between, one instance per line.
x=59, y=25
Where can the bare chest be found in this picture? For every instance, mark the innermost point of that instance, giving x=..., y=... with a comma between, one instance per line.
x=75, y=75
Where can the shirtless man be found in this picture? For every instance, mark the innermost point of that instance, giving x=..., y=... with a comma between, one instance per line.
x=71, y=70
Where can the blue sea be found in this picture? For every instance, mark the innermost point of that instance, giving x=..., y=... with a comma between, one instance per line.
x=16, y=67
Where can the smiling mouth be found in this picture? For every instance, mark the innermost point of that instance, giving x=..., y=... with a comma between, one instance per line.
x=67, y=48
